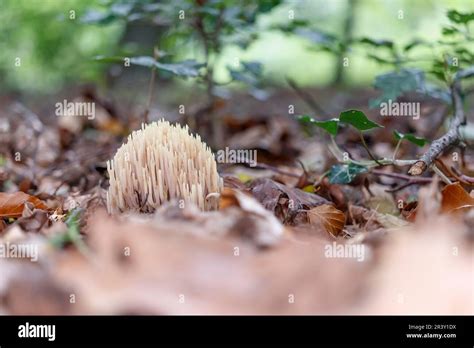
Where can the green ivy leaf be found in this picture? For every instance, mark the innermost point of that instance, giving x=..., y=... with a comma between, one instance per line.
x=418, y=141
x=358, y=120
x=460, y=18
x=449, y=31
x=345, y=173
x=331, y=126
x=394, y=84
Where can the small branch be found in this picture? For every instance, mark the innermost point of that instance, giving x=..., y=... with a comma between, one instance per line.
x=410, y=180
x=211, y=44
x=452, y=136
x=401, y=176
x=151, y=87
x=463, y=177
x=368, y=150
x=339, y=155
x=441, y=175
x=307, y=98
x=450, y=172
x=277, y=170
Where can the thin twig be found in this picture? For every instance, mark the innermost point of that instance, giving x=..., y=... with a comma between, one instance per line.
x=452, y=136
x=307, y=98
x=410, y=180
x=339, y=155
x=463, y=177
x=151, y=87
x=401, y=176
x=449, y=172
x=368, y=150
x=276, y=170
x=441, y=174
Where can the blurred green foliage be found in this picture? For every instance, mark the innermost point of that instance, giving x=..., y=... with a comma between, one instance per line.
x=54, y=48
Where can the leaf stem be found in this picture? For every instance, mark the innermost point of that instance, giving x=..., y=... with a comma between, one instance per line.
x=368, y=150
x=338, y=154
x=397, y=147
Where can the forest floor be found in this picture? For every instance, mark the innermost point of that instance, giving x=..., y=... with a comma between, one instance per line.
x=285, y=241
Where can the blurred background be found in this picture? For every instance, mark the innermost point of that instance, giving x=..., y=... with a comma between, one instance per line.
x=58, y=40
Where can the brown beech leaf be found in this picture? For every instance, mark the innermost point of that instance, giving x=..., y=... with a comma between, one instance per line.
x=454, y=197
x=332, y=219
x=12, y=204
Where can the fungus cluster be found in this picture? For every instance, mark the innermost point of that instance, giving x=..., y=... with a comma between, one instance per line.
x=158, y=163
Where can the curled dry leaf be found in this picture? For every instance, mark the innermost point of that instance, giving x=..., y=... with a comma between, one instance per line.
x=330, y=218
x=12, y=204
x=454, y=197
x=285, y=202
x=267, y=230
x=34, y=222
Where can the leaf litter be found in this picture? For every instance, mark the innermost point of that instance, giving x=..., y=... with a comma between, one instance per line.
x=272, y=248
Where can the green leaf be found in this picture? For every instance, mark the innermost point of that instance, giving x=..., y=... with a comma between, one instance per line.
x=380, y=60
x=290, y=26
x=250, y=73
x=394, y=84
x=415, y=43
x=72, y=234
x=268, y=5
x=377, y=43
x=331, y=126
x=317, y=36
x=449, y=31
x=186, y=68
x=116, y=11
x=345, y=173
x=460, y=18
x=418, y=141
x=253, y=67
x=358, y=120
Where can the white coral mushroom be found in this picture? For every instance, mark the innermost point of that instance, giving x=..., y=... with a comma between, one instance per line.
x=158, y=163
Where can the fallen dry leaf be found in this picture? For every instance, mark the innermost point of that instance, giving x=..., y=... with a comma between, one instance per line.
x=454, y=197
x=12, y=204
x=423, y=270
x=207, y=274
x=370, y=219
x=332, y=219
x=285, y=202
x=34, y=222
